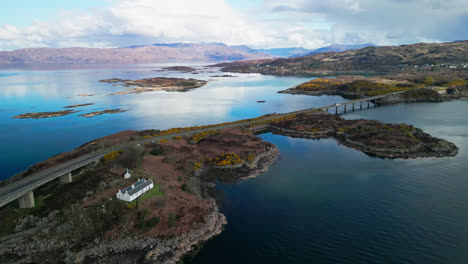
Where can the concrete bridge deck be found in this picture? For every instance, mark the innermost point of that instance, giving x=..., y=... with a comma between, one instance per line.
x=22, y=189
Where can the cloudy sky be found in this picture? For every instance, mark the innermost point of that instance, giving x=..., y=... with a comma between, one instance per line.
x=257, y=23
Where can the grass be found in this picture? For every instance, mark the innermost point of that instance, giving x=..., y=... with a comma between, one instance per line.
x=155, y=192
x=144, y=224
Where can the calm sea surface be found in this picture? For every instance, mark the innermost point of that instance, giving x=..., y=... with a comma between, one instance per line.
x=319, y=203
x=326, y=203
x=50, y=88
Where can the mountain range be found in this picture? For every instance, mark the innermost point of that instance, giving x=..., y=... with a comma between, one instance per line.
x=157, y=53
x=134, y=54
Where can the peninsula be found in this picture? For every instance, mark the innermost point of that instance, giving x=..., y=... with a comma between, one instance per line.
x=406, y=89
x=179, y=213
x=415, y=73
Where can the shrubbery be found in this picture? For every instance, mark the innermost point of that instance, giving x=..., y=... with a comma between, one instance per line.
x=227, y=159
x=200, y=136
x=144, y=224
x=421, y=93
x=112, y=155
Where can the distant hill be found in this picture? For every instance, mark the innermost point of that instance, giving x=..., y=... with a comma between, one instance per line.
x=247, y=49
x=286, y=52
x=404, y=58
x=300, y=51
x=133, y=54
x=337, y=48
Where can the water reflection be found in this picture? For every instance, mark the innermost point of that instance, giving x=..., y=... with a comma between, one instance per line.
x=39, y=89
x=325, y=203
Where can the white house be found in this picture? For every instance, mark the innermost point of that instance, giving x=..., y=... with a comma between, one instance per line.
x=135, y=190
x=127, y=175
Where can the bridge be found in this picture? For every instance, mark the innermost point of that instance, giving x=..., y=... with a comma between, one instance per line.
x=368, y=100
x=22, y=189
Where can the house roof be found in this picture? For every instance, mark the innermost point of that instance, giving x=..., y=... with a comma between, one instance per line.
x=137, y=186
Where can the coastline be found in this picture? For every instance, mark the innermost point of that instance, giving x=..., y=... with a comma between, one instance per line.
x=108, y=248
x=112, y=244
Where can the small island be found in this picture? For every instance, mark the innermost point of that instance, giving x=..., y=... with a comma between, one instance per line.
x=222, y=76
x=155, y=84
x=179, y=69
x=40, y=115
x=78, y=105
x=108, y=111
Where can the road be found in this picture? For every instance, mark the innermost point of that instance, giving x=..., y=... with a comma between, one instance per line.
x=20, y=187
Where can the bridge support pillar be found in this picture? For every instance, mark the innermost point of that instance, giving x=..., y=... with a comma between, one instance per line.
x=368, y=104
x=360, y=105
x=27, y=200
x=345, y=109
x=336, y=110
x=66, y=178
x=353, y=107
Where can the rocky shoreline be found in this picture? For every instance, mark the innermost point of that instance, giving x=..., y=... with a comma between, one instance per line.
x=151, y=249
x=402, y=141
x=123, y=249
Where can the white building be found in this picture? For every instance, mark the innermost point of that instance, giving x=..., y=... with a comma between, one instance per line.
x=135, y=190
x=127, y=175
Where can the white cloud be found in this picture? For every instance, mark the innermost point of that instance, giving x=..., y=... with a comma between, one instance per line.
x=139, y=22
x=384, y=21
x=274, y=23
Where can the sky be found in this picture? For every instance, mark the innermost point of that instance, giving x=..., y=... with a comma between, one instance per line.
x=257, y=23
